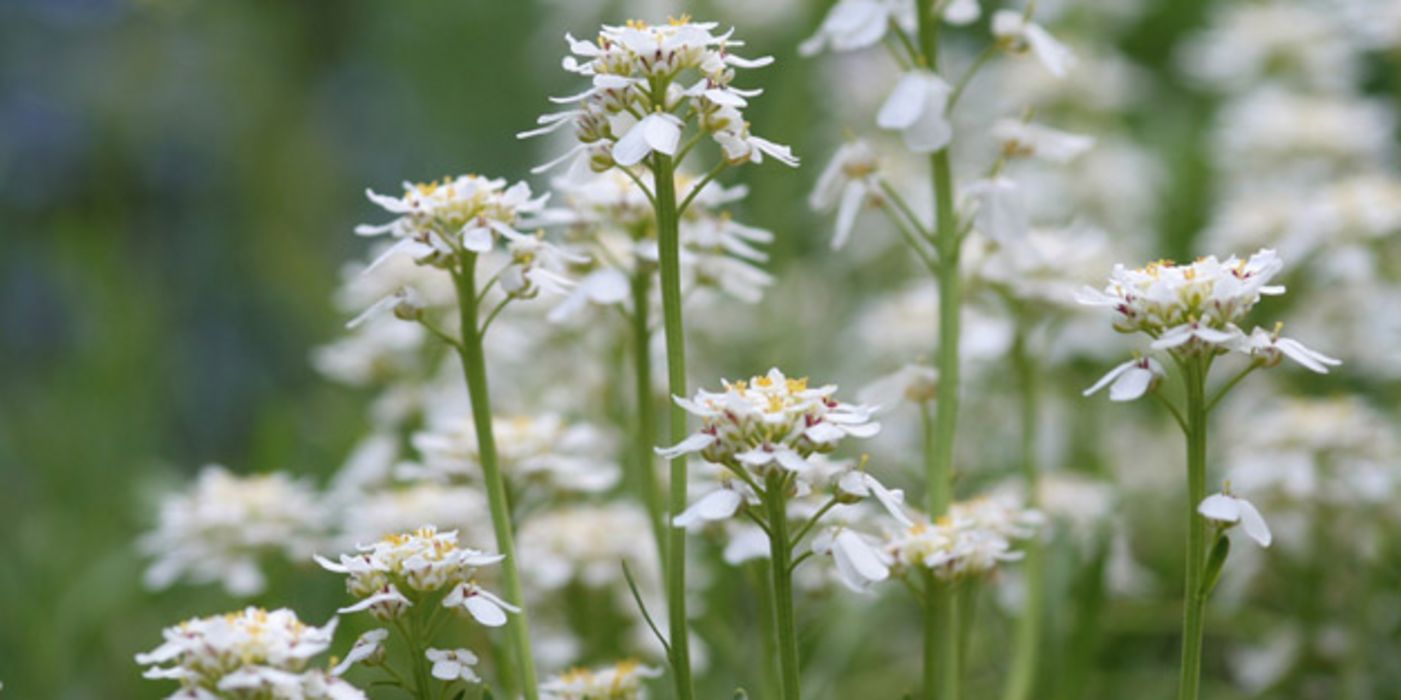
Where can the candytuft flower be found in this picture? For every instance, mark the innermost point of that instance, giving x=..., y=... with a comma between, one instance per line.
x=1229, y=509
x=643, y=77
x=439, y=221
x=917, y=109
x=395, y=573
x=621, y=681
x=847, y=183
x=1016, y=33
x=251, y=653
x=1130, y=380
x=453, y=665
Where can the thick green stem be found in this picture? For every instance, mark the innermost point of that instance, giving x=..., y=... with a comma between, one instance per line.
x=1195, y=599
x=780, y=565
x=645, y=438
x=669, y=253
x=941, y=640
x=1028, y=639
x=474, y=367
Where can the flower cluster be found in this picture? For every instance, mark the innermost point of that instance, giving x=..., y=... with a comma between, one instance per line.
x=770, y=421
x=971, y=540
x=221, y=527
x=637, y=72
x=440, y=220
x=621, y=681
x=249, y=654
x=543, y=448
x=1193, y=311
x=393, y=574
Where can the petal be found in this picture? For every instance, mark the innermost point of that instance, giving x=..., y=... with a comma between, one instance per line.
x=693, y=443
x=1112, y=375
x=477, y=239
x=485, y=611
x=1131, y=385
x=662, y=132
x=716, y=505
x=1253, y=523
x=853, y=196
x=1220, y=507
x=906, y=102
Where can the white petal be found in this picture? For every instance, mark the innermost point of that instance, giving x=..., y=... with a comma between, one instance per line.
x=1131, y=385
x=716, y=505
x=1220, y=507
x=477, y=239
x=1053, y=55
x=485, y=611
x=693, y=443
x=1253, y=523
x=906, y=102
x=1109, y=377
x=853, y=196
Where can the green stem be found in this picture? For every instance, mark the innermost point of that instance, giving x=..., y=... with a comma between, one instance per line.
x=941, y=639
x=669, y=253
x=646, y=437
x=1028, y=638
x=474, y=367
x=1195, y=600
x=776, y=500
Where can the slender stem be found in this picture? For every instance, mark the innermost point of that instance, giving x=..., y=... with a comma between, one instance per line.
x=812, y=522
x=474, y=367
x=972, y=71
x=1228, y=386
x=941, y=639
x=645, y=437
x=780, y=552
x=769, y=638
x=700, y=185
x=913, y=240
x=1195, y=601
x=418, y=660
x=1028, y=640
x=941, y=605
x=904, y=207
x=669, y=253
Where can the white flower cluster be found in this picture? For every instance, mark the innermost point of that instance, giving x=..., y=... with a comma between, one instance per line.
x=972, y=540
x=541, y=448
x=218, y=530
x=621, y=681
x=1194, y=310
x=584, y=543
x=393, y=574
x=637, y=71
x=609, y=213
x=249, y=654
x=770, y=421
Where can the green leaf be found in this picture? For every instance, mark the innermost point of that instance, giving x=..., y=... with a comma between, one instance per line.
x=1214, y=563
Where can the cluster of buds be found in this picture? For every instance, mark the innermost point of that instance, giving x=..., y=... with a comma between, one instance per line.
x=642, y=77
x=247, y=654
x=393, y=574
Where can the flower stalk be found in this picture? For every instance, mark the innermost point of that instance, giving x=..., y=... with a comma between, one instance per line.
x=1028, y=637
x=669, y=259
x=1195, y=371
x=645, y=431
x=775, y=498
x=474, y=367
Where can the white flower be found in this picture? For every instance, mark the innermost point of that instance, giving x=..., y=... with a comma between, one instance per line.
x=857, y=24
x=533, y=449
x=1017, y=33
x=368, y=649
x=860, y=560
x=657, y=71
x=913, y=383
x=1020, y=138
x=1226, y=508
x=847, y=183
x=972, y=540
x=1272, y=349
x=483, y=605
x=770, y=421
x=621, y=681
x=916, y=108
x=583, y=543
x=438, y=221
x=716, y=505
x=250, y=653
x=1130, y=380
x=423, y=560
x=1001, y=214
x=220, y=528
x=1202, y=301
x=453, y=665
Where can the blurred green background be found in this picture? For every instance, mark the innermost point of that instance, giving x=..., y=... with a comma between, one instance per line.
x=178, y=181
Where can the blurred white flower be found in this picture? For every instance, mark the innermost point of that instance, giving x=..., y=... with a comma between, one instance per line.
x=857, y=24
x=621, y=681
x=1001, y=214
x=1019, y=138
x=1016, y=33
x=453, y=665
x=916, y=108
x=1229, y=509
x=860, y=560
x=912, y=382
x=585, y=543
x=250, y=653
x=219, y=529
x=849, y=181
x=972, y=540
x=438, y=221
x=542, y=449
x=368, y=649
x=1271, y=349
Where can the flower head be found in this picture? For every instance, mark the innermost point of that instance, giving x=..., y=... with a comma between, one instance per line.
x=971, y=540
x=453, y=665
x=621, y=681
x=250, y=653
x=770, y=421
x=642, y=76
x=224, y=524
x=438, y=221
x=391, y=575
x=848, y=182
